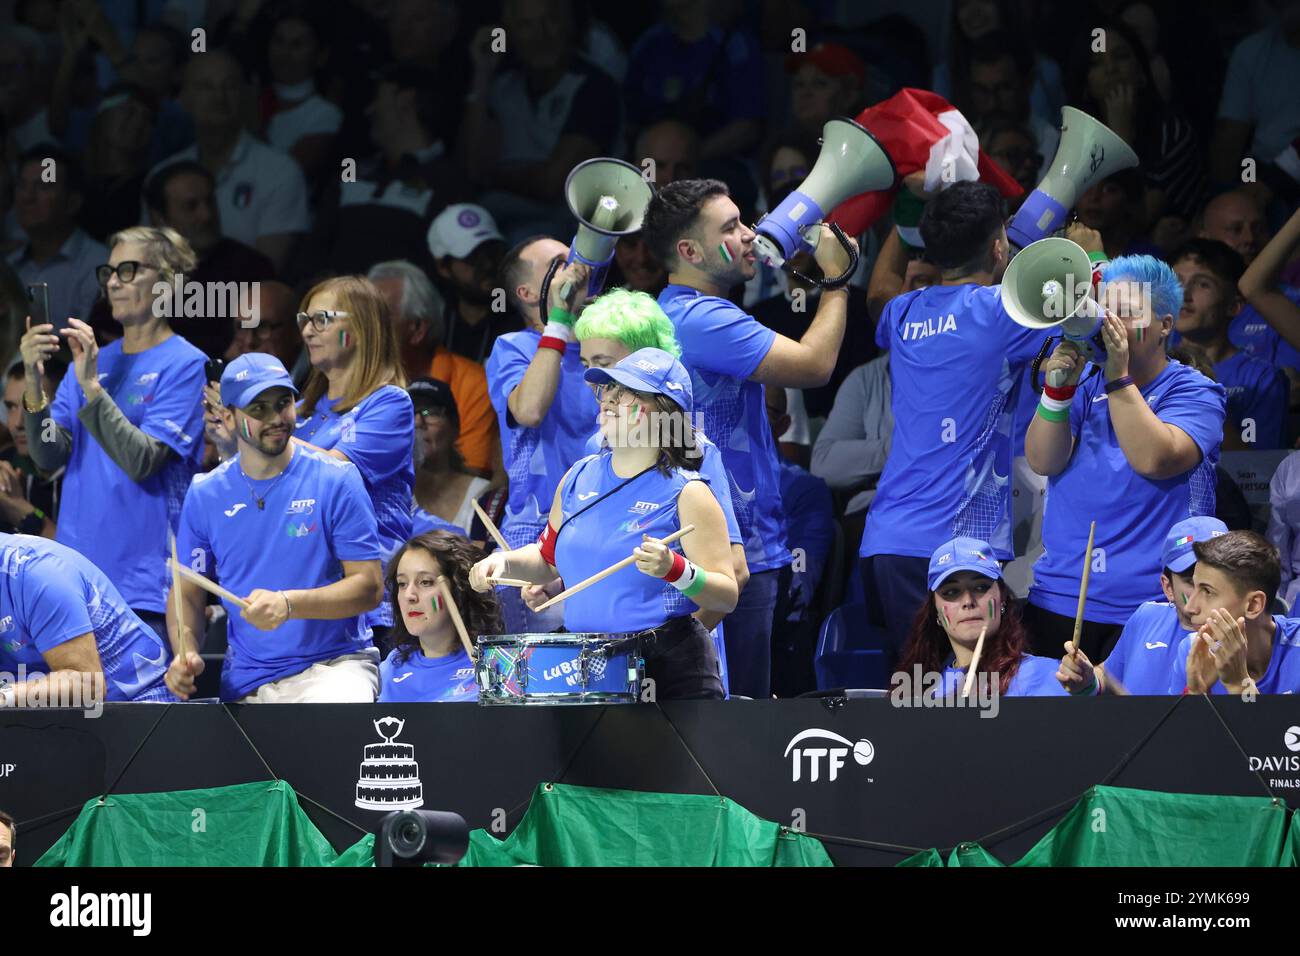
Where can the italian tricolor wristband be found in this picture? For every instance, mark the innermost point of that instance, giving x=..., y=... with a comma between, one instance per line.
x=1054, y=405
x=685, y=576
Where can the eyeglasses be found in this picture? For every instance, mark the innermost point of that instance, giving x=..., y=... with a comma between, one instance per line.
x=125, y=271
x=320, y=320
x=620, y=394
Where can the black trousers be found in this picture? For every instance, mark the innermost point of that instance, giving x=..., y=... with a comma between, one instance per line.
x=1048, y=632
x=681, y=660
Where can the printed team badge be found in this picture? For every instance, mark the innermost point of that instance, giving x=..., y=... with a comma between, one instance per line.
x=301, y=530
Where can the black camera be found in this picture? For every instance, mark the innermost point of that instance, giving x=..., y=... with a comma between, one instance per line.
x=416, y=837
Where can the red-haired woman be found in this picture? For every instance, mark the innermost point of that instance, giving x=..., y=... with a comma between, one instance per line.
x=967, y=594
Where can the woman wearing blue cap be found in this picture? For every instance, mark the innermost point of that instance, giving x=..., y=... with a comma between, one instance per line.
x=621, y=502
x=967, y=596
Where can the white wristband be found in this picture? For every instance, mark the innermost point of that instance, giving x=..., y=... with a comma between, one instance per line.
x=559, y=330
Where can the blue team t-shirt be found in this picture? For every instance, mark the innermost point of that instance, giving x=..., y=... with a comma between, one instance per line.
x=537, y=458
x=1258, y=391
x=407, y=676
x=1251, y=333
x=1133, y=513
x=1035, y=677
x=722, y=346
x=50, y=594
x=1145, y=651
x=317, y=514
x=378, y=436
x=1282, y=676
x=422, y=522
x=956, y=358
x=711, y=470
x=606, y=533
x=121, y=525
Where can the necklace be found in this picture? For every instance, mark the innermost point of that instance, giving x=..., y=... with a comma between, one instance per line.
x=261, y=499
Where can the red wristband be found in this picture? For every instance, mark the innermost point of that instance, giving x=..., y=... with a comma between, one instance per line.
x=546, y=540
x=677, y=570
x=1062, y=394
x=551, y=342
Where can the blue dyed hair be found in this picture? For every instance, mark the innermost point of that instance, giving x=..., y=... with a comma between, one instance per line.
x=1166, y=290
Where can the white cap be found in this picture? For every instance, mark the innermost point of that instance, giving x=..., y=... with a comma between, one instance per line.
x=460, y=229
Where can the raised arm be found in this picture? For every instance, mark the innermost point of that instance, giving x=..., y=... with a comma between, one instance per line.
x=1259, y=284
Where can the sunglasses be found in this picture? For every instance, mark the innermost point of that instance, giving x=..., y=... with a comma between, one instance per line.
x=620, y=394
x=320, y=320
x=125, y=271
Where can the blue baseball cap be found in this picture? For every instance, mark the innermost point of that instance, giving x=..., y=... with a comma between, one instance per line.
x=963, y=554
x=250, y=375
x=1178, y=554
x=649, y=370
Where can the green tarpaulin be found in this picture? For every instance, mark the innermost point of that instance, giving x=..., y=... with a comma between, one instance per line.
x=261, y=824
x=250, y=824
x=1114, y=826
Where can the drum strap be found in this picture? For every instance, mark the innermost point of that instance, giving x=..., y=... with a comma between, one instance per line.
x=611, y=491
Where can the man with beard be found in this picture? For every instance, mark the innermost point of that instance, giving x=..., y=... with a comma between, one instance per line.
x=467, y=250
x=292, y=531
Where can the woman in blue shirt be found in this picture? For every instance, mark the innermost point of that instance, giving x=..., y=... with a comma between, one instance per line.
x=355, y=406
x=621, y=502
x=427, y=662
x=126, y=421
x=967, y=595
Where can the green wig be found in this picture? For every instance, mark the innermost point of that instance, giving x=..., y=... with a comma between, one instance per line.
x=633, y=318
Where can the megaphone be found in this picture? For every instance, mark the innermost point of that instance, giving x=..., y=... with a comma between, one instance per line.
x=851, y=161
x=608, y=197
x=1048, y=285
x=1089, y=151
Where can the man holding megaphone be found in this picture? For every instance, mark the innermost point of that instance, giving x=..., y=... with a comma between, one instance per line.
x=695, y=229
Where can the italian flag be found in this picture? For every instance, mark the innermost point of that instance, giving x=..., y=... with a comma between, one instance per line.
x=1182, y=541
x=921, y=131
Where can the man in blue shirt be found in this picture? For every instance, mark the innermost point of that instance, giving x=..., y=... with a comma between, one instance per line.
x=1258, y=392
x=1239, y=648
x=292, y=531
x=544, y=409
x=956, y=360
x=1133, y=449
x=61, y=621
x=1144, y=654
x=694, y=228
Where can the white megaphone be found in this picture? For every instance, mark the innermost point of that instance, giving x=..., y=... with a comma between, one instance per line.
x=1048, y=285
x=608, y=197
x=1089, y=151
x=851, y=161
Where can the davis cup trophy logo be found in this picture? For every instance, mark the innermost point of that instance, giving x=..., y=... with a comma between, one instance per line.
x=390, y=777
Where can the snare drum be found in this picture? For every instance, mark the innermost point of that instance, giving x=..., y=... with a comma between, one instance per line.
x=559, y=669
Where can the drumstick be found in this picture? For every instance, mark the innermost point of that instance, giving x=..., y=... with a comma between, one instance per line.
x=178, y=645
x=510, y=582
x=491, y=528
x=601, y=575
x=974, y=662
x=455, y=616
x=1083, y=588
x=208, y=586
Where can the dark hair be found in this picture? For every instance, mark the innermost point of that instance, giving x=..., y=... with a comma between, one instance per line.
x=672, y=213
x=155, y=189
x=55, y=368
x=511, y=270
x=928, y=645
x=455, y=554
x=67, y=170
x=424, y=83
x=1079, y=63
x=958, y=224
x=8, y=821
x=1193, y=356
x=1219, y=257
x=1170, y=573
x=998, y=45
x=1247, y=559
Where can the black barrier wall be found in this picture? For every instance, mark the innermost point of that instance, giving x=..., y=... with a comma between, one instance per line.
x=874, y=781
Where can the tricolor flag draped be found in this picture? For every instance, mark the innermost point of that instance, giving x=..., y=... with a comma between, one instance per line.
x=921, y=131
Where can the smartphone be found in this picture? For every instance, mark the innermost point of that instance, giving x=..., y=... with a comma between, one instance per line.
x=214, y=368
x=38, y=307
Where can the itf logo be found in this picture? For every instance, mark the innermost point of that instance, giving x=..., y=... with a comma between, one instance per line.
x=813, y=744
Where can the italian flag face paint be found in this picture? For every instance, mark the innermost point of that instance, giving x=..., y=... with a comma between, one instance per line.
x=437, y=603
x=344, y=338
x=727, y=257
x=990, y=609
x=244, y=424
